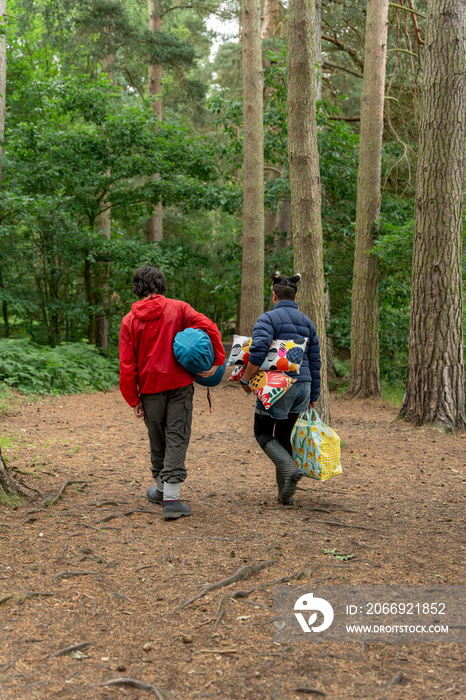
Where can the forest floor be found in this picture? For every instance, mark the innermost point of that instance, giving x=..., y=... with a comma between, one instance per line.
x=100, y=565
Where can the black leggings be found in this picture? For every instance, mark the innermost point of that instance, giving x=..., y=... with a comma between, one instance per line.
x=267, y=428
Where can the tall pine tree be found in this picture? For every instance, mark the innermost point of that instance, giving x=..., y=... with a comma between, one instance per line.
x=435, y=378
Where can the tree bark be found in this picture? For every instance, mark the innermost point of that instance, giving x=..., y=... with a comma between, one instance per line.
x=104, y=225
x=305, y=176
x=435, y=375
x=365, y=372
x=155, y=74
x=3, y=20
x=14, y=487
x=318, y=57
x=270, y=19
x=252, y=282
x=268, y=31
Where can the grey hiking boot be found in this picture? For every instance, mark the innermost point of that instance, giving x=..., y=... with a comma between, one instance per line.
x=287, y=472
x=175, y=509
x=154, y=495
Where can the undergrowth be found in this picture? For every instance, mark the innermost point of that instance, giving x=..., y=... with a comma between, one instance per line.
x=68, y=368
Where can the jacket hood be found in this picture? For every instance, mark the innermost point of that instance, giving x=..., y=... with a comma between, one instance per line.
x=149, y=309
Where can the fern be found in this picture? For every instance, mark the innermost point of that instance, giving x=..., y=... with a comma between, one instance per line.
x=69, y=368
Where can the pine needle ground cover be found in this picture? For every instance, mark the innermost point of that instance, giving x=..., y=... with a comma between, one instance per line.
x=93, y=585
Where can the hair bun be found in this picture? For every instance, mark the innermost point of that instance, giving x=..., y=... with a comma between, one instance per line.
x=295, y=278
x=276, y=275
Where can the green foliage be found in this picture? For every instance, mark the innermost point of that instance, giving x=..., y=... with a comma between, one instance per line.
x=66, y=369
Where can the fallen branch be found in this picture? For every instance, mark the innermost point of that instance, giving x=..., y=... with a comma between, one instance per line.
x=337, y=523
x=297, y=576
x=241, y=574
x=68, y=650
x=27, y=596
x=70, y=574
x=12, y=663
x=55, y=499
x=397, y=679
x=134, y=683
x=125, y=515
x=6, y=598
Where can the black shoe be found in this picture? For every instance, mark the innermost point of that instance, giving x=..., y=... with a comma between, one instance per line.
x=175, y=509
x=287, y=493
x=154, y=495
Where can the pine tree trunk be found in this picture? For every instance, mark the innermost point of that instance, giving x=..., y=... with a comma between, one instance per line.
x=270, y=17
x=3, y=20
x=305, y=176
x=252, y=283
x=318, y=58
x=104, y=225
x=435, y=376
x=269, y=29
x=155, y=74
x=365, y=372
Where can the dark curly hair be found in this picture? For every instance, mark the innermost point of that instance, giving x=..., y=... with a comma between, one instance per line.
x=285, y=287
x=149, y=280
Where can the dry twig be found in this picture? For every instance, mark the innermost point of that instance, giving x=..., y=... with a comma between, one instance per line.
x=68, y=650
x=134, y=683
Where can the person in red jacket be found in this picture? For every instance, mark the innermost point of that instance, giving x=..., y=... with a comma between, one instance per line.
x=156, y=386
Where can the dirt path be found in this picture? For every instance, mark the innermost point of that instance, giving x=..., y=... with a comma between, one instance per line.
x=101, y=566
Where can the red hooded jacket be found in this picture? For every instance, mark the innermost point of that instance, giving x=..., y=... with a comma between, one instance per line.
x=147, y=362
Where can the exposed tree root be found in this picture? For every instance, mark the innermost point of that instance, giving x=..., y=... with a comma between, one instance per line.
x=241, y=574
x=14, y=487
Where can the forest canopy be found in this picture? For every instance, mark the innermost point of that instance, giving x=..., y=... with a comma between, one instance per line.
x=114, y=116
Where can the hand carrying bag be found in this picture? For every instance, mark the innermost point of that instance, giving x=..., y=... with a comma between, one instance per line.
x=316, y=447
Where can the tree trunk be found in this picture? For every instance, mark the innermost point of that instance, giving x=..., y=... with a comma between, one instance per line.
x=318, y=58
x=6, y=321
x=252, y=282
x=270, y=16
x=155, y=74
x=13, y=487
x=331, y=369
x=104, y=225
x=3, y=20
x=435, y=376
x=365, y=372
x=304, y=175
x=284, y=221
x=268, y=31
x=90, y=298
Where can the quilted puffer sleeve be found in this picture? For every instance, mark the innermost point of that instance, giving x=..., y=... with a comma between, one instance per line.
x=313, y=353
x=262, y=336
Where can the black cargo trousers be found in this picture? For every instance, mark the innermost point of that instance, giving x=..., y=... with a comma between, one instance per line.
x=168, y=417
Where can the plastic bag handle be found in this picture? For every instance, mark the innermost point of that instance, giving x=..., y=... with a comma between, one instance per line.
x=311, y=415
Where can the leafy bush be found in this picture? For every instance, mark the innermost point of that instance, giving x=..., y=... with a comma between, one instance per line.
x=66, y=369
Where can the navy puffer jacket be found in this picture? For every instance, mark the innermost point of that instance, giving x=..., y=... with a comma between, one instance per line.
x=286, y=322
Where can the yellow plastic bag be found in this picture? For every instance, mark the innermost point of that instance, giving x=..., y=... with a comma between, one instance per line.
x=316, y=447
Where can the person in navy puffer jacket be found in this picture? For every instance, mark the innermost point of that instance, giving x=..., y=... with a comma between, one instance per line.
x=273, y=427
